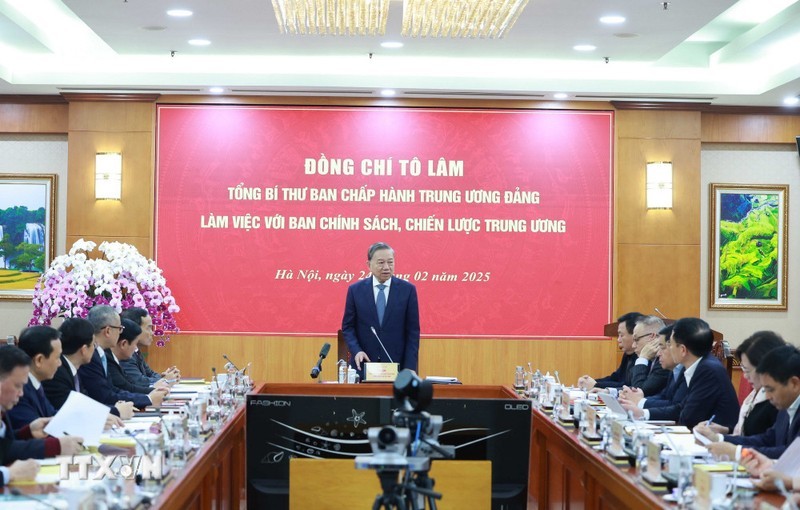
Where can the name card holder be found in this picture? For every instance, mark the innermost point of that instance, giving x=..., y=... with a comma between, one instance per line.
x=652, y=475
x=590, y=435
x=380, y=372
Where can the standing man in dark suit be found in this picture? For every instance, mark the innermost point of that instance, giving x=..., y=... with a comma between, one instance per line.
x=780, y=377
x=382, y=306
x=710, y=392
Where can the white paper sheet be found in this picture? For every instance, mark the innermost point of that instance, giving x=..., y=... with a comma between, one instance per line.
x=79, y=416
x=789, y=462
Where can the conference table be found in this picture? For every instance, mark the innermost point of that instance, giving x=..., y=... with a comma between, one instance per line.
x=214, y=476
x=564, y=472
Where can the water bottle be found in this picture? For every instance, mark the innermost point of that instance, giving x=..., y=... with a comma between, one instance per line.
x=342, y=371
x=519, y=380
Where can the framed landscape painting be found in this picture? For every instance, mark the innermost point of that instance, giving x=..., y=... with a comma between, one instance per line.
x=27, y=223
x=748, y=246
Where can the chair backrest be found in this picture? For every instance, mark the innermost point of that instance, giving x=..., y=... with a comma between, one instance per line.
x=341, y=347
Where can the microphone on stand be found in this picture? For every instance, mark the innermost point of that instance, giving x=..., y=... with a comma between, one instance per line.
x=372, y=328
x=145, y=450
x=19, y=493
x=323, y=353
x=231, y=362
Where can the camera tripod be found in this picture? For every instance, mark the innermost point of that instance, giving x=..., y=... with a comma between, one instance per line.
x=398, y=496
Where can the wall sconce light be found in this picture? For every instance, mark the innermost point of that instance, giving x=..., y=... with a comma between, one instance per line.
x=108, y=176
x=659, y=185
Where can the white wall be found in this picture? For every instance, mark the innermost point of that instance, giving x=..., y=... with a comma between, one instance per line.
x=34, y=154
x=752, y=164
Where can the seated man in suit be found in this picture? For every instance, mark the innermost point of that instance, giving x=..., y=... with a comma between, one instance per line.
x=77, y=343
x=383, y=307
x=43, y=345
x=94, y=375
x=29, y=441
x=710, y=392
x=667, y=404
x=622, y=376
x=19, y=470
x=123, y=350
x=136, y=368
x=780, y=376
x=647, y=373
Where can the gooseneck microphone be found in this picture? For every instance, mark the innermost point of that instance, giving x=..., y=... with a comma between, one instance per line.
x=231, y=362
x=323, y=353
x=372, y=328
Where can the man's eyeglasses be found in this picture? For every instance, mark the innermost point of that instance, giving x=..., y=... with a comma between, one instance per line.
x=120, y=328
x=637, y=338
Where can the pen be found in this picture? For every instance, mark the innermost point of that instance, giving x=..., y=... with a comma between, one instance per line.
x=710, y=420
x=80, y=443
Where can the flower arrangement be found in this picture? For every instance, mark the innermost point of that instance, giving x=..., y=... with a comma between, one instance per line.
x=122, y=279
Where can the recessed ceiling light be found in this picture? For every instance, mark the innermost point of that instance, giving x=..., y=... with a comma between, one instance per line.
x=791, y=101
x=391, y=44
x=584, y=47
x=612, y=20
x=179, y=13
x=199, y=42
x=388, y=92
x=216, y=90
x=560, y=95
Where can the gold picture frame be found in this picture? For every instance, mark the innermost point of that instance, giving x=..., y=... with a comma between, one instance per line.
x=27, y=231
x=748, y=248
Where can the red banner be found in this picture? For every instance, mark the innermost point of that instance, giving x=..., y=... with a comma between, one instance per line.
x=501, y=218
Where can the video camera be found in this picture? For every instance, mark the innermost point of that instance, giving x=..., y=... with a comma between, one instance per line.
x=393, y=449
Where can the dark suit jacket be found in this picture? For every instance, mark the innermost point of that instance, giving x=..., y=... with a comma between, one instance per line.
x=30, y=407
x=118, y=378
x=98, y=385
x=667, y=404
x=650, y=378
x=621, y=376
x=761, y=418
x=774, y=441
x=57, y=389
x=399, y=332
x=710, y=394
x=19, y=445
x=138, y=371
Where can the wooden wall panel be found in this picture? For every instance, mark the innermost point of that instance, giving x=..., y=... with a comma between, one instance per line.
x=650, y=276
x=112, y=116
x=639, y=225
x=33, y=118
x=729, y=128
x=659, y=124
x=125, y=127
x=658, y=251
x=485, y=361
